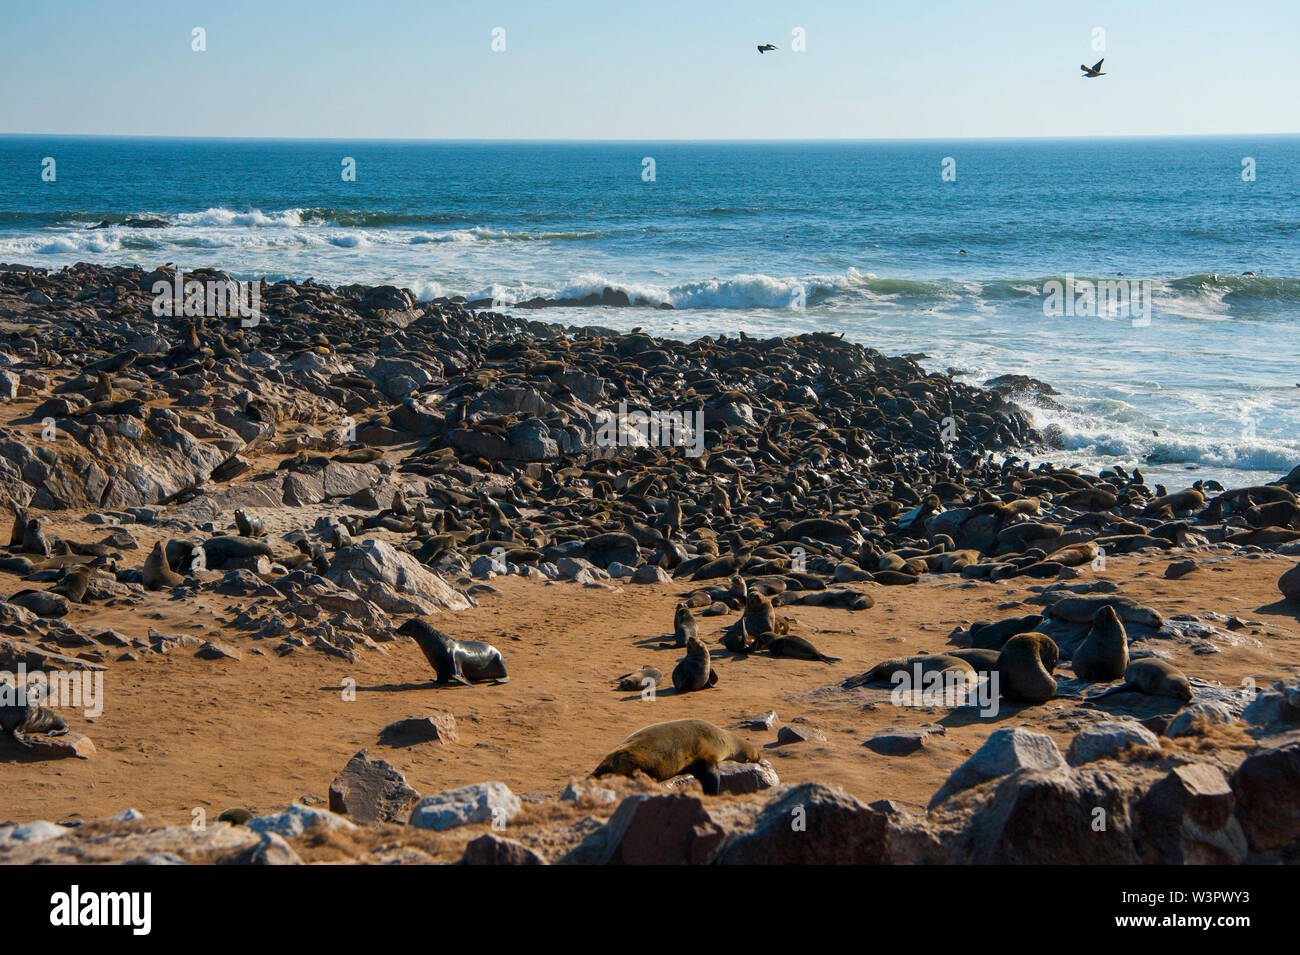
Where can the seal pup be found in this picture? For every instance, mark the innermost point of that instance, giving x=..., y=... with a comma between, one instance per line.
x=248, y=526
x=636, y=681
x=695, y=670
x=157, y=573
x=796, y=648
x=1025, y=668
x=460, y=661
x=1154, y=677
x=1103, y=654
x=684, y=625
x=665, y=750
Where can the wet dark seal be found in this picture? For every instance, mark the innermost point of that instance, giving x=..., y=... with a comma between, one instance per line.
x=457, y=661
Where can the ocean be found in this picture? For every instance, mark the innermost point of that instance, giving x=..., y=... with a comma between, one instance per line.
x=948, y=250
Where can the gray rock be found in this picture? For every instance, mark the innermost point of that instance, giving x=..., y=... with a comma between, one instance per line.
x=370, y=791
x=480, y=803
x=1004, y=752
x=1103, y=740
x=1192, y=718
x=297, y=819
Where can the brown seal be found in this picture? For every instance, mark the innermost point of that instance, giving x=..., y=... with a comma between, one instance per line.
x=1154, y=677
x=695, y=670
x=794, y=647
x=157, y=573
x=248, y=526
x=1025, y=668
x=684, y=626
x=639, y=680
x=1103, y=654
x=665, y=750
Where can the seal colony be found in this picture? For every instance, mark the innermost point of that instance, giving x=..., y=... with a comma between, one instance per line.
x=359, y=461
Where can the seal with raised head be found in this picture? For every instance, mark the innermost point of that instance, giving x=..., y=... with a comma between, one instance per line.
x=794, y=647
x=1103, y=654
x=684, y=626
x=665, y=750
x=34, y=540
x=157, y=573
x=29, y=717
x=695, y=670
x=639, y=679
x=19, y=528
x=74, y=582
x=248, y=526
x=459, y=661
x=1025, y=668
x=1154, y=677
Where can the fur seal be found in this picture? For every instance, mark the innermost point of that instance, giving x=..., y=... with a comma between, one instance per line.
x=462, y=661
x=1103, y=654
x=929, y=663
x=1154, y=677
x=34, y=541
x=157, y=573
x=983, y=660
x=74, y=582
x=248, y=526
x=695, y=670
x=20, y=526
x=636, y=680
x=991, y=636
x=684, y=626
x=30, y=718
x=796, y=648
x=759, y=617
x=1025, y=668
x=665, y=750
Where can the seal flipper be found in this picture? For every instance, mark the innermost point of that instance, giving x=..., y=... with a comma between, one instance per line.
x=1122, y=688
x=829, y=660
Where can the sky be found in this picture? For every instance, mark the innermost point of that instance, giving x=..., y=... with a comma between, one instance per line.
x=658, y=69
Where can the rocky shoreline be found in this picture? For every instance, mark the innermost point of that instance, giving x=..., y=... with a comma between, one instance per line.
x=354, y=458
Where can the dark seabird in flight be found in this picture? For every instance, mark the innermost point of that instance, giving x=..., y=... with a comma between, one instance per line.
x=1093, y=71
x=767, y=48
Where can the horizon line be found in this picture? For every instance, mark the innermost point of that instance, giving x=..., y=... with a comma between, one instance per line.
x=579, y=140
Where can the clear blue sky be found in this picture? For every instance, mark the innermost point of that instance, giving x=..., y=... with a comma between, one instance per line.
x=653, y=69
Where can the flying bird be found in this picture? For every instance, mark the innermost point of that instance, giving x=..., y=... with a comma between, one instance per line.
x=767, y=48
x=1092, y=71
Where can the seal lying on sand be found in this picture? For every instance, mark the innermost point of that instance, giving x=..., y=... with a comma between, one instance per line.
x=30, y=718
x=460, y=661
x=797, y=648
x=639, y=679
x=1154, y=677
x=665, y=750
